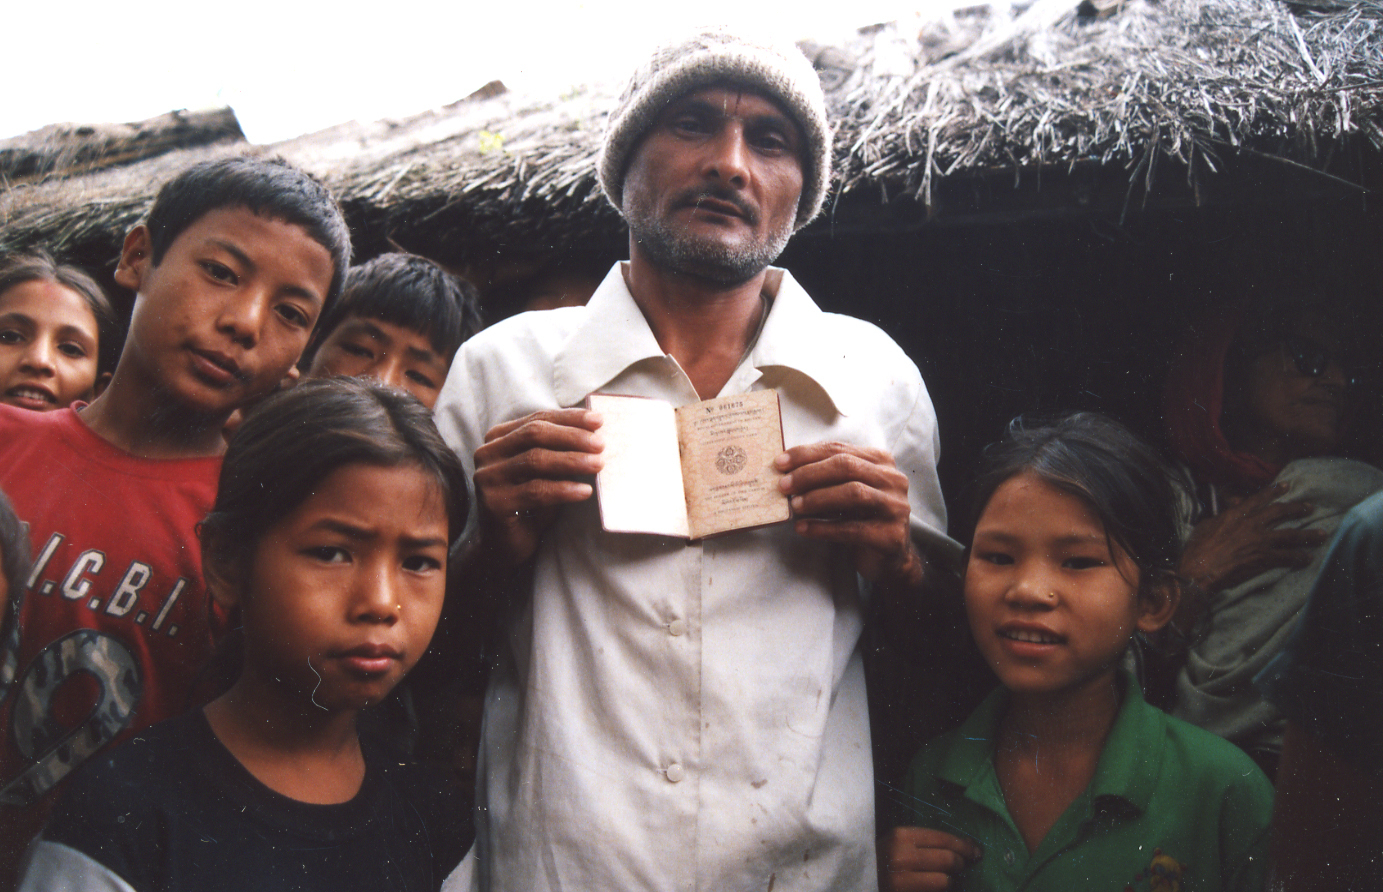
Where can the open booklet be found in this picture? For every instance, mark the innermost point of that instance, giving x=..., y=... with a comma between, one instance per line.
x=692, y=472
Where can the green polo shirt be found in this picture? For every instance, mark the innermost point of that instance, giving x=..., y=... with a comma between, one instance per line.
x=1171, y=807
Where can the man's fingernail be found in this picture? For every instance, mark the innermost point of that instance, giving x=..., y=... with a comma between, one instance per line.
x=597, y=441
x=785, y=483
x=781, y=461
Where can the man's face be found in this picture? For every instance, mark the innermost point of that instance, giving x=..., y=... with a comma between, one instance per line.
x=712, y=190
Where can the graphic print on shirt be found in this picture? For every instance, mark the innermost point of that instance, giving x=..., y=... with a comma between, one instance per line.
x=1163, y=874
x=98, y=676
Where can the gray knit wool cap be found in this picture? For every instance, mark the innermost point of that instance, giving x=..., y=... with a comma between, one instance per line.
x=711, y=57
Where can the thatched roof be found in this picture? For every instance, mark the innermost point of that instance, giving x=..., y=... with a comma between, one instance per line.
x=1192, y=82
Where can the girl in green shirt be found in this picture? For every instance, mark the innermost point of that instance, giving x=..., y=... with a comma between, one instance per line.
x=1064, y=778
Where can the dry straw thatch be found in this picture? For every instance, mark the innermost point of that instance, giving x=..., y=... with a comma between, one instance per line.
x=1181, y=79
x=1050, y=86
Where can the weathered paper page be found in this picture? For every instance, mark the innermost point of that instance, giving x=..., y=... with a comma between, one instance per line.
x=728, y=448
x=640, y=487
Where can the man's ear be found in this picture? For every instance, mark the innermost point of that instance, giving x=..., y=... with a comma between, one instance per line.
x=1157, y=602
x=100, y=386
x=135, y=258
x=224, y=578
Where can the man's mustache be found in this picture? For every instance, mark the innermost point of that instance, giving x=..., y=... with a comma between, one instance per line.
x=697, y=197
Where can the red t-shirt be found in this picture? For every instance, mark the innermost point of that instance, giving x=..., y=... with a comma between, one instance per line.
x=114, y=626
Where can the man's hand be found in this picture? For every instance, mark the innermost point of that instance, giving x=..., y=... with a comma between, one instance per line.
x=918, y=859
x=527, y=470
x=855, y=496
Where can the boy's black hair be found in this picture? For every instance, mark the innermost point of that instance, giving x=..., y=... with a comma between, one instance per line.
x=39, y=266
x=294, y=439
x=411, y=292
x=1128, y=485
x=14, y=555
x=269, y=187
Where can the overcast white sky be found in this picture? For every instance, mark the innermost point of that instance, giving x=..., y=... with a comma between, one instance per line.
x=292, y=66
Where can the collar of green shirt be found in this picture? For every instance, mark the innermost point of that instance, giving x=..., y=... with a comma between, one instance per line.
x=1127, y=771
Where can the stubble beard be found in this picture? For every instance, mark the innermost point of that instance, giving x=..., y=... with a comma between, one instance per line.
x=708, y=259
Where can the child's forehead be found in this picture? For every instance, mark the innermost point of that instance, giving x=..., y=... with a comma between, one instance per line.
x=1041, y=501
x=372, y=323
x=47, y=298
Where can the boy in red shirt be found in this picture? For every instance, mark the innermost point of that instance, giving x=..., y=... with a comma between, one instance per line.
x=235, y=262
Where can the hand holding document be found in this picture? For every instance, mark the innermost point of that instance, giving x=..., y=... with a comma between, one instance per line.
x=693, y=472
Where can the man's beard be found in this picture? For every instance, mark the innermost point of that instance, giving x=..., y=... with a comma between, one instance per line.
x=708, y=259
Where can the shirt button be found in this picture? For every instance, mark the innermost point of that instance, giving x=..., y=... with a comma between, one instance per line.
x=674, y=772
x=677, y=627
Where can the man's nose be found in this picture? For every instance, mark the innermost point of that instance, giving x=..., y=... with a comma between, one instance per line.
x=728, y=158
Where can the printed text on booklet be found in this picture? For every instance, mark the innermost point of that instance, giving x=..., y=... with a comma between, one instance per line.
x=692, y=472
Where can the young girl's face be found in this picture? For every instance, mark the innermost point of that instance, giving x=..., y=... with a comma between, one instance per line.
x=48, y=340
x=343, y=594
x=1051, y=607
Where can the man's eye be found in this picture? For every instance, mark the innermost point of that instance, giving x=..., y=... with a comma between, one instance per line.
x=220, y=272
x=691, y=124
x=771, y=141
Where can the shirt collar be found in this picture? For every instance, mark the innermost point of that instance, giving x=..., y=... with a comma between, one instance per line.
x=592, y=357
x=1129, y=765
x=796, y=336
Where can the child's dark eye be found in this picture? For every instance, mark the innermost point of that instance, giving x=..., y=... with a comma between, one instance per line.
x=421, y=563
x=357, y=350
x=329, y=554
x=10, y=336
x=73, y=351
x=1082, y=563
x=220, y=272
x=294, y=316
x=421, y=379
x=998, y=558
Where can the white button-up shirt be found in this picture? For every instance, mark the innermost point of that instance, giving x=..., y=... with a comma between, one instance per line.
x=685, y=716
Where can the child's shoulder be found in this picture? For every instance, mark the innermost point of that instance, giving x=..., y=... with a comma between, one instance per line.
x=143, y=767
x=111, y=815
x=13, y=418
x=1205, y=761
x=958, y=757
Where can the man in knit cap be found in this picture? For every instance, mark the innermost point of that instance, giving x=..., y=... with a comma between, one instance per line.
x=668, y=715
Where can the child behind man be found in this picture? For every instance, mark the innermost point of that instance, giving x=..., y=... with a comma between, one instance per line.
x=328, y=541
x=237, y=259
x=1064, y=777
x=56, y=328
x=400, y=320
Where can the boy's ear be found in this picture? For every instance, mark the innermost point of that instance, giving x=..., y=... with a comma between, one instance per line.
x=135, y=258
x=100, y=386
x=1157, y=603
